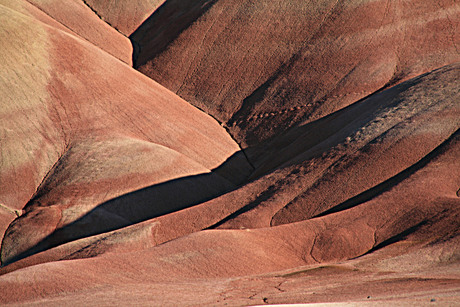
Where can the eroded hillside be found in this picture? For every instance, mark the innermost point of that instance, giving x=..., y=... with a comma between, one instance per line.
x=257, y=152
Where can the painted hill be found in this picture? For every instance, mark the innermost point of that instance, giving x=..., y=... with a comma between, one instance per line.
x=76, y=135
x=321, y=164
x=261, y=68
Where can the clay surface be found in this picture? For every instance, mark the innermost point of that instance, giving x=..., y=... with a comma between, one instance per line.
x=184, y=153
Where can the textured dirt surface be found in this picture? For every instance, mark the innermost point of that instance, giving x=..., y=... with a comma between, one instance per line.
x=124, y=16
x=262, y=67
x=116, y=191
x=73, y=139
x=77, y=19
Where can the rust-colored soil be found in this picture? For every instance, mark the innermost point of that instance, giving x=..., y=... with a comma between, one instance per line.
x=263, y=152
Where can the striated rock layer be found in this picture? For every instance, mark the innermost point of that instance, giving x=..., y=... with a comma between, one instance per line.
x=116, y=191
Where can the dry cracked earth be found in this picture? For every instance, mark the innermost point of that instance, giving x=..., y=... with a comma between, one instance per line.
x=222, y=152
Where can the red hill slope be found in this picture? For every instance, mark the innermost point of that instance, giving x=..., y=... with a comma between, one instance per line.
x=261, y=67
x=75, y=134
x=124, y=16
x=116, y=191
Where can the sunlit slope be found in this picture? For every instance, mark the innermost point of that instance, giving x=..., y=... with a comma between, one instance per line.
x=79, y=128
x=124, y=16
x=116, y=191
x=262, y=67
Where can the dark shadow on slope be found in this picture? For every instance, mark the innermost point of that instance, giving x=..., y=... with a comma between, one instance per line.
x=360, y=198
x=185, y=192
x=399, y=237
x=265, y=153
x=144, y=204
x=275, y=157
x=164, y=26
x=365, y=110
x=391, y=182
x=241, y=116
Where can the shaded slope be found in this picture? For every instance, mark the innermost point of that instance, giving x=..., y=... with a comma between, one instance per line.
x=124, y=16
x=75, y=134
x=116, y=191
x=425, y=202
x=422, y=112
x=262, y=67
x=343, y=155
